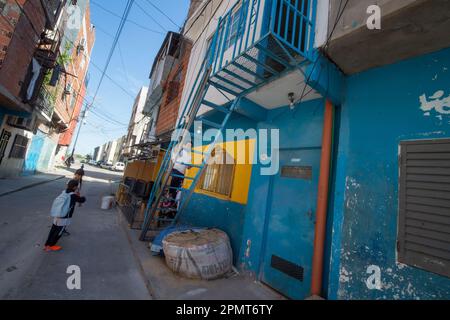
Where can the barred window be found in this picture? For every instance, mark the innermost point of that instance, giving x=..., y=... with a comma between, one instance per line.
x=19, y=147
x=218, y=175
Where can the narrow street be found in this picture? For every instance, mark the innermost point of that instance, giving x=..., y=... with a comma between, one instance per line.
x=97, y=244
x=254, y=150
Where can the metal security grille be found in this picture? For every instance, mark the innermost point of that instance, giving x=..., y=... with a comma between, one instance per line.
x=4, y=139
x=219, y=174
x=424, y=205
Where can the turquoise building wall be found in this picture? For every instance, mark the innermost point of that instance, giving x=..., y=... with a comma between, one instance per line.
x=381, y=108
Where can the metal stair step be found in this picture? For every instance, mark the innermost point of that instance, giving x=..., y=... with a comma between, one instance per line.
x=220, y=87
x=210, y=123
x=215, y=106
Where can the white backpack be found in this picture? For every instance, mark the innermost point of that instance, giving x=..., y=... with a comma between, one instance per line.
x=61, y=205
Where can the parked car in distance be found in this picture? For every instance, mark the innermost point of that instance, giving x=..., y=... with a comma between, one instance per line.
x=107, y=165
x=99, y=163
x=92, y=162
x=119, y=166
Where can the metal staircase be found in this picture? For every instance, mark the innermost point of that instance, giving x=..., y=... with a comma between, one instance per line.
x=260, y=52
x=157, y=217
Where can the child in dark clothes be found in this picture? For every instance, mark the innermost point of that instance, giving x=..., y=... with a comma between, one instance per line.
x=59, y=224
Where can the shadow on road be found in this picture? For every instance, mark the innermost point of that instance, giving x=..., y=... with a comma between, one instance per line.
x=97, y=173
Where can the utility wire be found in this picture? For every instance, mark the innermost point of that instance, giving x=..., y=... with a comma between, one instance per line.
x=165, y=15
x=111, y=52
x=128, y=20
x=150, y=16
x=338, y=18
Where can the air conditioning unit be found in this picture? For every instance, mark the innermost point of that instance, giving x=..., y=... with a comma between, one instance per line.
x=68, y=89
x=81, y=46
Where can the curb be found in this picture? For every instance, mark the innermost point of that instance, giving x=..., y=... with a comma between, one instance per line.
x=31, y=186
x=148, y=285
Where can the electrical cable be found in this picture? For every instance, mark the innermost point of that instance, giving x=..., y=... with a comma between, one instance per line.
x=325, y=48
x=128, y=20
x=118, y=33
x=150, y=16
x=160, y=11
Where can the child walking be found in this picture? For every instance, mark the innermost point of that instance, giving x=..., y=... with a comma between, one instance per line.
x=62, y=211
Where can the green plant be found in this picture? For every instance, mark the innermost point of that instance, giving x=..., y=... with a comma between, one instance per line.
x=65, y=57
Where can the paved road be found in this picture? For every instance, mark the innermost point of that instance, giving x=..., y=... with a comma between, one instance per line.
x=97, y=244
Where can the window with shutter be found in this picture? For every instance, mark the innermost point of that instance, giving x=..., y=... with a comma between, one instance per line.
x=424, y=205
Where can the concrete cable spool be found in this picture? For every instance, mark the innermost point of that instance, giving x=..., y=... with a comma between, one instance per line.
x=200, y=254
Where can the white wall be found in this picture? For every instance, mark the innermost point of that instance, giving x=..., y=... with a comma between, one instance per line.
x=10, y=167
x=200, y=47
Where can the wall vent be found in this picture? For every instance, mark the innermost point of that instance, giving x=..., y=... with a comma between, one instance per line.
x=424, y=205
x=287, y=267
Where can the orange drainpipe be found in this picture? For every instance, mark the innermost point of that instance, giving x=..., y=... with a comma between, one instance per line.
x=322, y=201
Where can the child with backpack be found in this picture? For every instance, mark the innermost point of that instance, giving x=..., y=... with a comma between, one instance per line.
x=62, y=211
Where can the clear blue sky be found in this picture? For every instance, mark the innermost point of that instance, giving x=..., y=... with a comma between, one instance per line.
x=138, y=47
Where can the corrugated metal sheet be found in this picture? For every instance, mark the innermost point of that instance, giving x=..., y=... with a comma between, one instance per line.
x=424, y=205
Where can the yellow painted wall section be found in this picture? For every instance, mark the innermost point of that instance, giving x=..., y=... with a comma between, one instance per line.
x=242, y=174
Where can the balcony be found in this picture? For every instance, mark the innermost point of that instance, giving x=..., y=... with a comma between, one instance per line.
x=53, y=10
x=45, y=103
x=257, y=41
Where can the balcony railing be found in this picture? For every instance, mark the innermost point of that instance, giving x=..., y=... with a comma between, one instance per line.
x=45, y=102
x=53, y=10
x=259, y=39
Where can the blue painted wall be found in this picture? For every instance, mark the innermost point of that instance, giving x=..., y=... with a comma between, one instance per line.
x=301, y=128
x=33, y=153
x=382, y=108
x=207, y=211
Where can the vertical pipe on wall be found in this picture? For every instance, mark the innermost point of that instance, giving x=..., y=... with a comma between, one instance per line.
x=322, y=201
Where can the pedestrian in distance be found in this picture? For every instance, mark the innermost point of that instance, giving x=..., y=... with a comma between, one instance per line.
x=62, y=211
x=79, y=174
x=69, y=161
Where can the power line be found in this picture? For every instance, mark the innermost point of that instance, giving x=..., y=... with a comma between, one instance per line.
x=338, y=18
x=100, y=69
x=122, y=61
x=128, y=20
x=150, y=16
x=199, y=15
x=160, y=11
x=201, y=49
x=113, y=47
x=117, y=36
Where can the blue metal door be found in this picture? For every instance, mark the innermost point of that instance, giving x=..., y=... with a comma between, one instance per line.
x=31, y=161
x=290, y=227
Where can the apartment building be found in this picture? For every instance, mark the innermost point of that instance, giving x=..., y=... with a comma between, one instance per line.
x=353, y=180
x=49, y=101
x=74, y=82
x=30, y=47
x=137, y=125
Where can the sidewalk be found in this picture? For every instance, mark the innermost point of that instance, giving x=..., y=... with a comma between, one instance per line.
x=11, y=185
x=164, y=284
